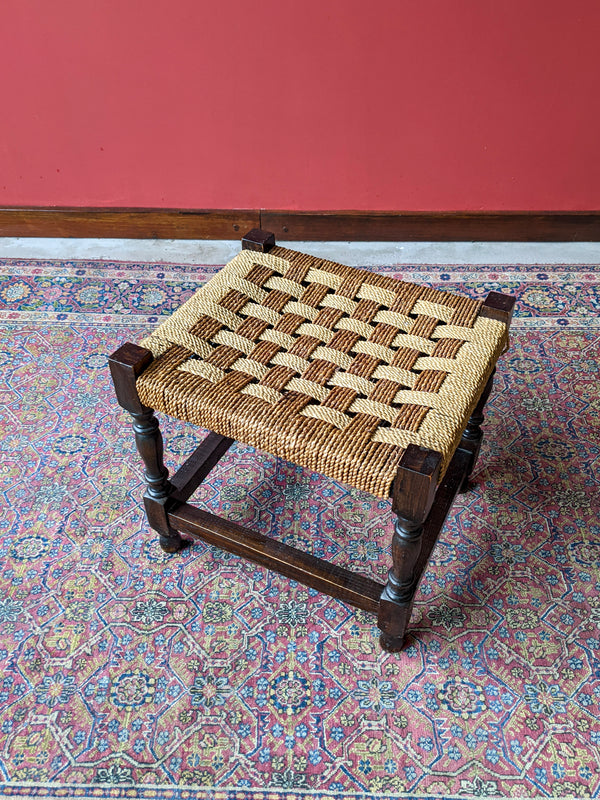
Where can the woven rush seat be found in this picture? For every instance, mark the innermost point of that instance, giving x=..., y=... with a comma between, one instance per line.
x=368, y=380
x=334, y=368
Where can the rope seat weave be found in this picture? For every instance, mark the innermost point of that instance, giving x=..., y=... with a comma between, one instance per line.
x=334, y=368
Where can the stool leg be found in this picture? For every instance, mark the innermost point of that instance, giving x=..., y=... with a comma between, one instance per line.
x=473, y=435
x=149, y=441
x=413, y=495
x=126, y=364
x=395, y=604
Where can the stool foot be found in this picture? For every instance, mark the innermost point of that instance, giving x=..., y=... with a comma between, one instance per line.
x=172, y=543
x=394, y=614
x=391, y=644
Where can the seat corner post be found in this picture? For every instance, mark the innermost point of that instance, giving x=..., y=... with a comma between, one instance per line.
x=126, y=364
x=413, y=495
x=258, y=240
x=499, y=306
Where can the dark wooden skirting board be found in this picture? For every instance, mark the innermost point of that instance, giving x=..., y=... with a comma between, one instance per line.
x=483, y=226
x=127, y=223
x=157, y=223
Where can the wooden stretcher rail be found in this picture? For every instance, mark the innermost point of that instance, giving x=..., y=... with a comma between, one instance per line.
x=191, y=474
x=329, y=578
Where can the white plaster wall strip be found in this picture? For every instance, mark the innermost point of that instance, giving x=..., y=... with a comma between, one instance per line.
x=351, y=253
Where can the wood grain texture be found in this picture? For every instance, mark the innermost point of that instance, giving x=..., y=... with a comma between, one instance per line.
x=394, y=608
x=191, y=474
x=548, y=226
x=258, y=240
x=450, y=226
x=499, y=306
x=446, y=492
x=126, y=364
x=329, y=578
x=413, y=495
x=127, y=223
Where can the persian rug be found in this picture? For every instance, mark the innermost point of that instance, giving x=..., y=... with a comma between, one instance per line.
x=128, y=673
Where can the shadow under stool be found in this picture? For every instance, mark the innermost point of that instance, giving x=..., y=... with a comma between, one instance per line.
x=368, y=380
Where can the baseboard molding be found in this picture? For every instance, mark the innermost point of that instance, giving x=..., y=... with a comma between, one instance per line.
x=448, y=226
x=127, y=223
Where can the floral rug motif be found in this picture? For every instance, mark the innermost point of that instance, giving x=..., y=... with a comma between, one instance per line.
x=130, y=673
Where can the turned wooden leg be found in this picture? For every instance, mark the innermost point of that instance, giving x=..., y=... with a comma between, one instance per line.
x=500, y=307
x=126, y=364
x=149, y=441
x=473, y=435
x=413, y=495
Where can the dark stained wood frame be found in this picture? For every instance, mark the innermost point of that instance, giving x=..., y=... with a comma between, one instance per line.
x=158, y=223
x=420, y=501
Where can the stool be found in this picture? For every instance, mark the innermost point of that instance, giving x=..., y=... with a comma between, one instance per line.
x=370, y=381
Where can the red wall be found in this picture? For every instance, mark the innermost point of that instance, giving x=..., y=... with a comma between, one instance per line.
x=301, y=104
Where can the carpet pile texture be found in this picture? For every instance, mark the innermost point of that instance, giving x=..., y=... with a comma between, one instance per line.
x=128, y=673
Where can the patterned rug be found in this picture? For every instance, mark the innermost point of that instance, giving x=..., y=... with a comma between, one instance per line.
x=127, y=673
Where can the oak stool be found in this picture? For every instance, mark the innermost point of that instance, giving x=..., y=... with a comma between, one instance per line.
x=368, y=380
